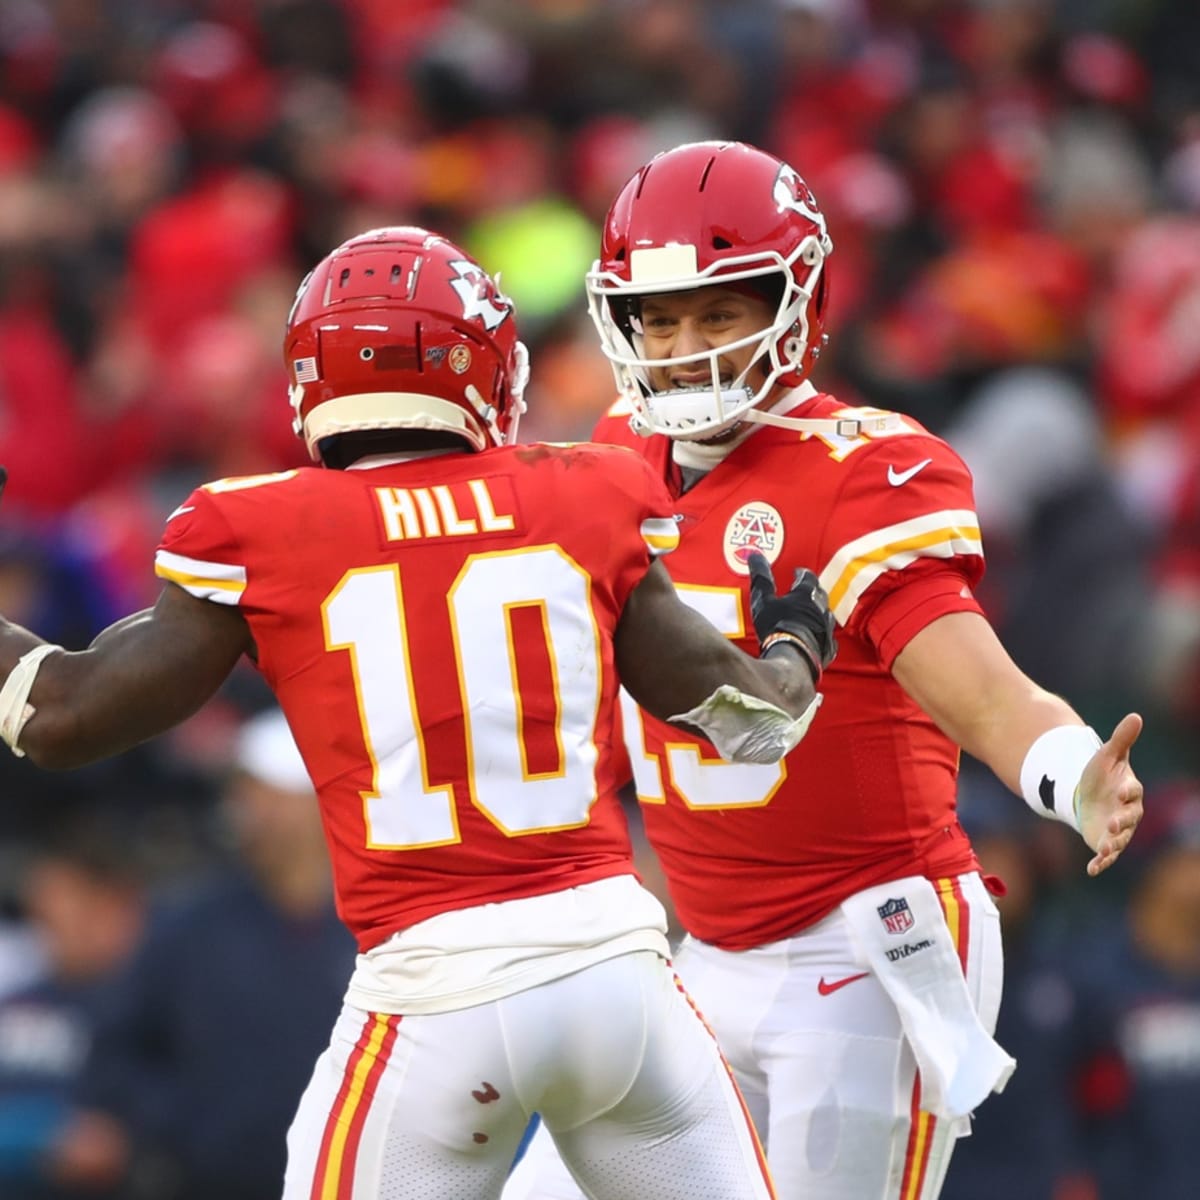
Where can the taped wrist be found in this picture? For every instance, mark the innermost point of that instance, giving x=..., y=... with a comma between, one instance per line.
x=746, y=729
x=15, y=709
x=1052, y=768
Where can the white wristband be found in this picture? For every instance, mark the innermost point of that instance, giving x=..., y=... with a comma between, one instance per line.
x=15, y=709
x=1051, y=770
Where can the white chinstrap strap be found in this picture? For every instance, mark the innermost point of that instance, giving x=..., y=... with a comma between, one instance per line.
x=15, y=709
x=879, y=424
x=746, y=729
x=1052, y=768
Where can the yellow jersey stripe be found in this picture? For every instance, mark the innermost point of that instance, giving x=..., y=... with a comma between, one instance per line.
x=857, y=565
x=195, y=582
x=223, y=583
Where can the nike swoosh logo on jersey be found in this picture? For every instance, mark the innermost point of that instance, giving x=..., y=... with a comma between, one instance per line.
x=827, y=989
x=183, y=508
x=896, y=478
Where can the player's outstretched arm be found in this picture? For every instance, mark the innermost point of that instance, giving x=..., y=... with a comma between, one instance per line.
x=671, y=659
x=140, y=677
x=959, y=673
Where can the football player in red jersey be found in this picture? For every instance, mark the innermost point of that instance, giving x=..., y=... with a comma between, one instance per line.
x=841, y=941
x=444, y=618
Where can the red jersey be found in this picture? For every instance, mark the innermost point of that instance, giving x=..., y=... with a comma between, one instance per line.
x=439, y=634
x=756, y=853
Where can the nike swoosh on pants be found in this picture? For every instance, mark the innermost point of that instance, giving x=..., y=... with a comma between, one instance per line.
x=827, y=989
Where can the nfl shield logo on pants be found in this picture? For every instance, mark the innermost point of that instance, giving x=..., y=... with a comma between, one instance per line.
x=895, y=915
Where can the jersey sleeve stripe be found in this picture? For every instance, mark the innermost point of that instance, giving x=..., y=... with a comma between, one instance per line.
x=859, y=563
x=221, y=582
x=661, y=534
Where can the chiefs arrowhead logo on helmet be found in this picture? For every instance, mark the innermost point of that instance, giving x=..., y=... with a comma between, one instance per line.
x=480, y=295
x=791, y=193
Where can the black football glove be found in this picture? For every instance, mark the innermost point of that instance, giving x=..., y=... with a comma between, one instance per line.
x=799, y=618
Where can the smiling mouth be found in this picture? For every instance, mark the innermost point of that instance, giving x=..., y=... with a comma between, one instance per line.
x=698, y=385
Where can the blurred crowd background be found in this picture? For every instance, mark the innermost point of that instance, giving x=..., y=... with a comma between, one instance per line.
x=1013, y=190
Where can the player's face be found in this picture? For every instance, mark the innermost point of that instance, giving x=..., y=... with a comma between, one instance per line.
x=675, y=324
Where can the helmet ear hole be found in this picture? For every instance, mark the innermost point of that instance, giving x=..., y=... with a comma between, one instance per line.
x=793, y=349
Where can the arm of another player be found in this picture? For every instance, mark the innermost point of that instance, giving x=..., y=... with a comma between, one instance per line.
x=957, y=670
x=140, y=677
x=679, y=668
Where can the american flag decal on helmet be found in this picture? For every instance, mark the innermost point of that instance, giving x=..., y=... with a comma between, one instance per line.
x=895, y=915
x=306, y=370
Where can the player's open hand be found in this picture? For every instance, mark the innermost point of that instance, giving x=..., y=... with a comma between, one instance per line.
x=1110, y=796
x=800, y=616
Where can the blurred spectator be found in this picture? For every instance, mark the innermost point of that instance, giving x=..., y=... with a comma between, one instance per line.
x=995, y=301
x=1097, y=185
x=44, y=439
x=84, y=906
x=538, y=243
x=65, y=577
x=1134, y=1031
x=1102, y=1012
x=570, y=385
x=1174, y=618
x=1067, y=558
x=124, y=148
x=1148, y=373
x=195, y=1075
x=191, y=254
x=212, y=80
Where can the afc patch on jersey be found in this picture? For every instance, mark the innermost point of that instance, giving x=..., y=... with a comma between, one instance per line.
x=895, y=915
x=755, y=526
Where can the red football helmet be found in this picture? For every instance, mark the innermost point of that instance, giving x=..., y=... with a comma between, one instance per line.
x=400, y=329
x=706, y=213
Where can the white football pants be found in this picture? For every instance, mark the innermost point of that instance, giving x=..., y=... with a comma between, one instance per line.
x=818, y=1051
x=626, y=1075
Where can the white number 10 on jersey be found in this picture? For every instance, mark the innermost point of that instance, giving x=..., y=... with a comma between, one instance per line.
x=365, y=616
